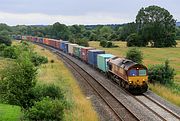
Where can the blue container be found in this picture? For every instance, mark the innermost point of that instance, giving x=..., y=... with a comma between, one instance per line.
x=102, y=60
x=92, y=56
x=41, y=40
x=66, y=47
x=62, y=45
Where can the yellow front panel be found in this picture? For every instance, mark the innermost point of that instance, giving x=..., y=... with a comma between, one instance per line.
x=137, y=80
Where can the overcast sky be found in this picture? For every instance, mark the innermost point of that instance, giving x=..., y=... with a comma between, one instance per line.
x=43, y=12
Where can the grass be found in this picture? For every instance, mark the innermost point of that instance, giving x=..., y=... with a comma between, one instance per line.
x=166, y=93
x=58, y=74
x=9, y=112
x=153, y=56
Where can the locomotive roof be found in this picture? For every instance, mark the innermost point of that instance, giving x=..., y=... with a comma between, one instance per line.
x=124, y=63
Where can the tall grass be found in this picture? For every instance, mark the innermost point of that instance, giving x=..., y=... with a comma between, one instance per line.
x=58, y=74
x=166, y=92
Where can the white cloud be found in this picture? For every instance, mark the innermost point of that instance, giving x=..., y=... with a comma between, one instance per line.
x=44, y=19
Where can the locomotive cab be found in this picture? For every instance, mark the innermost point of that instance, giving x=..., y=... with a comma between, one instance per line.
x=138, y=78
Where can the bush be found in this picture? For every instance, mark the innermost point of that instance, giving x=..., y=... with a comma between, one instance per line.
x=102, y=43
x=82, y=42
x=5, y=40
x=109, y=44
x=17, y=82
x=10, y=52
x=135, y=55
x=2, y=47
x=163, y=74
x=38, y=60
x=46, y=110
x=51, y=91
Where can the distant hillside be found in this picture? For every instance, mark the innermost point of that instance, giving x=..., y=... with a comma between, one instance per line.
x=177, y=23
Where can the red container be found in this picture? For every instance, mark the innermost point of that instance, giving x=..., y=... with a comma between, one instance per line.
x=57, y=44
x=84, y=53
x=45, y=41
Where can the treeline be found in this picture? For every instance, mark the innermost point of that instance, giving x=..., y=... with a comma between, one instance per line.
x=154, y=26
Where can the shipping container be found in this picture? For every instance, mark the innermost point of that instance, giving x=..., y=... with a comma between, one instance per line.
x=34, y=39
x=70, y=48
x=92, y=56
x=84, y=53
x=40, y=40
x=77, y=51
x=57, y=44
x=45, y=41
x=24, y=38
x=62, y=45
x=102, y=60
x=66, y=49
x=52, y=42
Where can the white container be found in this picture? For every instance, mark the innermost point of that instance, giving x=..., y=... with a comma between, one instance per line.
x=70, y=48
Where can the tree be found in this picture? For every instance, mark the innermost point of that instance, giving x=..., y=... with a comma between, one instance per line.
x=127, y=30
x=18, y=81
x=5, y=40
x=156, y=25
x=135, y=55
x=134, y=40
x=60, y=31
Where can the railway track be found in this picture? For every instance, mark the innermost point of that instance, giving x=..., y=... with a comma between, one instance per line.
x=122, y=113
x=119, y=110
x=158, y=109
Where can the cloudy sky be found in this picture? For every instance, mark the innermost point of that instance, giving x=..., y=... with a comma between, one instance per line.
x=13, y=12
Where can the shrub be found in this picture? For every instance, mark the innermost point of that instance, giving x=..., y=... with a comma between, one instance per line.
x=135, y=55
x=52, y=61
x=46, y=110
x=10, y=52
x=163, y=74
x=83, y=42
x=2, y=47
x=109, y=44
x=17, y=82
x=38, y=60
x=51, y=91
x=5, y=40
x=102, y=43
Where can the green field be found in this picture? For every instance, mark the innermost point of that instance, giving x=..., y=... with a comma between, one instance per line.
x=9, y=112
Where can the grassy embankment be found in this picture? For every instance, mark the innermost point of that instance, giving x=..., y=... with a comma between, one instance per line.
x=8, y=112
x=154, y=56
x=58, y=74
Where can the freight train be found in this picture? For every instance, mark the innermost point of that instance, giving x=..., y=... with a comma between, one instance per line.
x=126, y=73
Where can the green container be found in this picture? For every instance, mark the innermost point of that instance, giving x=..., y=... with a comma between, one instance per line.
x=77, y=51
x=102, y=61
